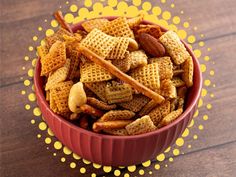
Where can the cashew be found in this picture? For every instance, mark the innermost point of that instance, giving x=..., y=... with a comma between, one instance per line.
x=133, y=45
x=77, y=97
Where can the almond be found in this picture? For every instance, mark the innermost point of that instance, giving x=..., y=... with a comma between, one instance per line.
x=151, y=45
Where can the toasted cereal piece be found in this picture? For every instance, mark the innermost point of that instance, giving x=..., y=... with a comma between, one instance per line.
x=55, y=59
x=52, y=104
x=136, y=104
x=159, y=112
x=124, y=64
x=138, y=58
x=75, y=60
x=58, y=36
x=181, y=92
x=181, y=103
x=174, y=104
x=147, y=108
x=118, y=132
x=118, y=28
x=98, y=88
x=100, y=104
x=108, y=125
x=165, y=67
x=118, y=52
x=177, y=82
x=58, y=76
x=153, y=30
x=174, y=47
x=168, y=89
x=91, y=72
x=132, y=22
x=118, y=93
x=85, y=108
x=60, y=94
x=178, y=72
x=42, y=51
x=140, y=126
x=117, y=115
x=170, y=117
x=147, y=75
x=48, y=95
x=89, y=25
x=187, y=76
x=99, y=42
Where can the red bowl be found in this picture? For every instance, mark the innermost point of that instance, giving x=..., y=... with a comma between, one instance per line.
x=118, y=150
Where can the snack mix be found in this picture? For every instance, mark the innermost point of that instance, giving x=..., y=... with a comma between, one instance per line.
x=119, y=77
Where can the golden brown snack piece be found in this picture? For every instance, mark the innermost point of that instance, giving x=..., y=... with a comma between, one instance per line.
x=132, y=22
x=120, y=49
x=57, y=76
x=52, y=104
x=147, y=108
x=136, y=104
x=94, y=23
x=85, y=108
x=99, y=42
x=178, y=72
x=124, y=64
x=153, y=30
x=117, y=115
x=42, y=51
x=174, y=104
x=100, y=104
x=140, y=126
x=118, y=93
x=74, y=116
x=168, y=89
x=138, y=58
x=92, y=72
x=118, y=28
x=177, y=82
x=118, y=132
x=115, y=124
x=170, y=117
x=174, y=47
x=48, y=95
x=165, y=67
x=77, y=97
x=147, y=75
x=60, y=94
x=159, y=112
x=75, y=61
x=119, y=74
x=57, y=36
x=59, y=17
x=133, y=45
x=98, y=88
x=55, y=59
x=187, y=76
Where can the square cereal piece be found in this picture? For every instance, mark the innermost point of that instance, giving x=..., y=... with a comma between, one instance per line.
x=60, y=94
x=99, y=42
x=165, y=67
x=92, y=72
x=124, y=64
x=118, y=28
x=174, y=47
x=74, y=64
x=140, y=126
x=98, y=88
x=170, y=117
x=138, y=58
x=55, y=59
x=57, y=76
x=136, y=104
x=89, y=25
x=168, y=89
x=118, y=93
x=119, y=51
x=177, y=82
x=147, y=75
x=187, y=75
x=159, y=112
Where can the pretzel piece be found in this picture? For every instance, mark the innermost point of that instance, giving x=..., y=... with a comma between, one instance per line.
x=100, y=104
x=59, y=17
x=91, y=110
x=119, y=74
x=115, y=124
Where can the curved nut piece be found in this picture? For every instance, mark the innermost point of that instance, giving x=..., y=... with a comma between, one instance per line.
x=133, y=45
x=77, y=97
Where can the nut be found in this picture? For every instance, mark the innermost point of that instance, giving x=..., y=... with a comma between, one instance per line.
x=151, y=45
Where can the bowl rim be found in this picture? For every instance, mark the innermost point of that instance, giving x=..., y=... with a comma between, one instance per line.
x=193, y=102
